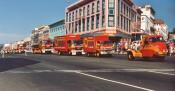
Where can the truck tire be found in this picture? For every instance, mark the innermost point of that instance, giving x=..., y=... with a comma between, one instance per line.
x=130, y=56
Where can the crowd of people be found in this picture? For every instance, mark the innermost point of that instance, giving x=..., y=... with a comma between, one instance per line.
x=171, y=48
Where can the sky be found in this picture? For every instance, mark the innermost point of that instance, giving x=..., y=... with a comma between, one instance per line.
x=19, y=17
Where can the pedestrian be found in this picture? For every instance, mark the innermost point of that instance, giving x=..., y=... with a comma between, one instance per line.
x=3, y=53
x=171, y=48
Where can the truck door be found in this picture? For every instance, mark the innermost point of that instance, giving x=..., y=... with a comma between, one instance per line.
x=91, y=45
x=147, y=48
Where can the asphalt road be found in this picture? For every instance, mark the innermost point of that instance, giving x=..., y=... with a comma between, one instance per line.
x=80, y=73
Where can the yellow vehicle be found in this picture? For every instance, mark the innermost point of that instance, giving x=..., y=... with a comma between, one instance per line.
x=152, y=46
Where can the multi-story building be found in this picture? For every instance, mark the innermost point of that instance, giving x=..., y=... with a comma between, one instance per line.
x=57, y=29
x=171, y=36
x=147, y=19
x=161, y=28
x=43, y=33
x=35, y=37
x=39, y=35
x=113, y=17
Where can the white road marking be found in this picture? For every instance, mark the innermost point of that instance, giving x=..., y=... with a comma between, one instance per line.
x=163, y=73
x=156, y=71
x=84, y=72
x=117, y=82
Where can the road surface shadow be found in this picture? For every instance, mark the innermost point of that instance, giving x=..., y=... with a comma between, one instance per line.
x=13, y=63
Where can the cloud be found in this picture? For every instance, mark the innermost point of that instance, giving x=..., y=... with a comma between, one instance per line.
x=8, y=38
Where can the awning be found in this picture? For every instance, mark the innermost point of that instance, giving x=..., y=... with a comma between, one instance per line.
x=123, y=35
x=117, y=35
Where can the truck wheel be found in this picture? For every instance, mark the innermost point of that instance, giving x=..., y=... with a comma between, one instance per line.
x=130, y=57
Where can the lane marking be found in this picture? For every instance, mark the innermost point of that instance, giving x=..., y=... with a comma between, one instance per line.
x=117, y=82
x=163, y=73
x=156, y=71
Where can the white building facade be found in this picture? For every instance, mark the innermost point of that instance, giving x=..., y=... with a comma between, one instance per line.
x=101, y=16
x=147, y=18
x=161, y=28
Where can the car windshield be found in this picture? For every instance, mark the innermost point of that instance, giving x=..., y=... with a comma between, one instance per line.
x=156, y=39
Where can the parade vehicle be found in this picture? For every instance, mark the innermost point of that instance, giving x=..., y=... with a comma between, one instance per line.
x=47, y=46
x=152, y=46
x=37, y=49
x=68, y=44
x=98, y=46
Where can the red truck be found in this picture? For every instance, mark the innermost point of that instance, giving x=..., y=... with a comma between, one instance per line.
x=152, y=46
x=47, y=46
x=68, y=44
x=98, y=45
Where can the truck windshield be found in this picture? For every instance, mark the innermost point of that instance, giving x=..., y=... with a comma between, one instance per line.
x=78, y=42
x=106, y=42
x=156, y=39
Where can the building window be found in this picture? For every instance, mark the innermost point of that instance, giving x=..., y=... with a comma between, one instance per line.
x=88, y=10
x=129, y=26
x=84, y=11
x=121, y=22
x=79, y=24
x=111, y=11
x=127, y=12
x=98, y=6
x=76, y=14
x=92, y=22
x=124, y=23
x=88, y=24
x=124, y=9
x=73, y=16
x=93, y=8
x=111, y=4
x=83, y=25
x=69, y=27
x=66, y=17
x=97, y=21
x=103, y=7
x=103, y=21
x=121, y=8
x=111, y=7
x=80, y=11
x=69, y=17
x=111, y=21
x=76, y=27
x=72, y=27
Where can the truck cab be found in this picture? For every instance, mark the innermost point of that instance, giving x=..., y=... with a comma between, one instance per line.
x=47, y=46
x=152, y=46
x=98, y=45
x=36, y=49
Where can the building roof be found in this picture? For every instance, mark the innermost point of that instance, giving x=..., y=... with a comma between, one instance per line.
x=60, y=22
x=78, y=4
x=159, y=21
